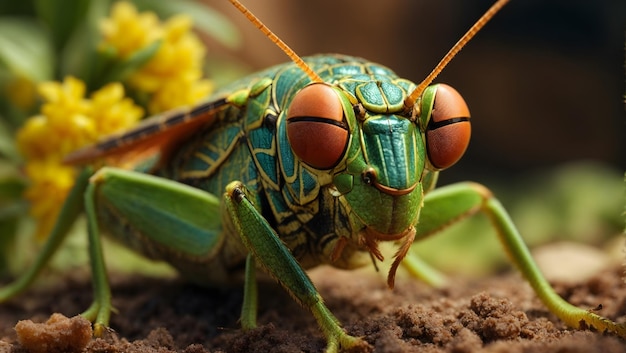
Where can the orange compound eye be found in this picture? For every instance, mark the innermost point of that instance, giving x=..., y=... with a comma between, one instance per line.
x=448, y=131
x=315, y=126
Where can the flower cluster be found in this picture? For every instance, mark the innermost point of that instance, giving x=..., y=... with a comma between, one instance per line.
x=173, y=77
x=70, y=117
x=68, y=121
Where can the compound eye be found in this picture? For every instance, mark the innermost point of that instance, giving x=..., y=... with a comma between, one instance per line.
x=316, y=129
x=448, y=131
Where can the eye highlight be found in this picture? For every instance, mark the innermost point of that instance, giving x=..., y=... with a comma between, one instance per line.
x=316, y=127
x=448, y=130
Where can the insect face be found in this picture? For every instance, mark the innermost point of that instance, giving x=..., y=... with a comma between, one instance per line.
x=391, y=149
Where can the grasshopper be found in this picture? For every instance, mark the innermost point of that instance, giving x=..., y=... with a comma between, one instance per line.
x=313, y=162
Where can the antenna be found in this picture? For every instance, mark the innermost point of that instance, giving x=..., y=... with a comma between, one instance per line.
x=409, y=102
x=274, y=38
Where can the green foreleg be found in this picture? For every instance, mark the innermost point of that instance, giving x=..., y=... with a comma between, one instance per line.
x=442, y=207
x=269, y=252
x=71, y=209
x=446, y=205
x=423, y=271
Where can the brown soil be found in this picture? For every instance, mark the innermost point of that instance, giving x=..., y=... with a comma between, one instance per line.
x=498, y=314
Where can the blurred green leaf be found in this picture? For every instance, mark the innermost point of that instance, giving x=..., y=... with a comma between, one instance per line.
x=8, y=231
x=12, y=207
x=17, y=8
x=11, y=190
x=25, y=49
x=61, y=17
x=207, y=20
x=7, y=142
x=80, y=57
x=12, y=186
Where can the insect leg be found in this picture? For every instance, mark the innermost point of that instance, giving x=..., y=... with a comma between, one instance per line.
x=160, y=218
x=448, y=204
x=273, y=256
x=250, y=296
x=423, y=271
x=100, y=310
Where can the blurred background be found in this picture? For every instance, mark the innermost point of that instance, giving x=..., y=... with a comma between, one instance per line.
x=544, y=82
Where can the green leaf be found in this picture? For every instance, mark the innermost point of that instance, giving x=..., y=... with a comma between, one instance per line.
x=25, y=49
x=61, y=17
x=17, y=8
x=8, y=232
x=7, y=142
x=10, y=189
x=205, y=19
x=12, y=208
x=80, y=56
x=12, y=182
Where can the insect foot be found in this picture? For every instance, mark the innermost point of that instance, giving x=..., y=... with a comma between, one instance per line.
x=347, y=343
x=596, y=322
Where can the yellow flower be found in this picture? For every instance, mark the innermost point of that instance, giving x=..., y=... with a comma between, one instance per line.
x=63, y=124
x=128, y=31
x=50, y=182
x=174, y=94
x=173, y=77
x=66, y=110
x=179, y=57
x=68, y=121
x=34, y=139
x=111, y=111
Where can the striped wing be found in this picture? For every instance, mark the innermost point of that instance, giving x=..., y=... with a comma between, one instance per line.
x=158, y=134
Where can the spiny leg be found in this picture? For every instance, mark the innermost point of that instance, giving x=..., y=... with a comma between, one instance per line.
x=449, y=204
x=268, y=251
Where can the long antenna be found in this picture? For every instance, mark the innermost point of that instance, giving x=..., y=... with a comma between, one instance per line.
x=274, y=38
x=409, y=102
